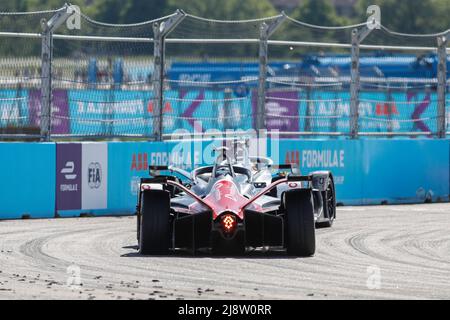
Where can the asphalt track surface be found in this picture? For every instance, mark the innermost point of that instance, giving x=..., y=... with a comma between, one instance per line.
x=380, y=252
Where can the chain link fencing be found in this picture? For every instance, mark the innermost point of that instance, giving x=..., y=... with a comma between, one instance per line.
x=20, y=74
x=213, y=76
x=102, y=74
x=404, y=102
x=185, y=75
x=310, y=94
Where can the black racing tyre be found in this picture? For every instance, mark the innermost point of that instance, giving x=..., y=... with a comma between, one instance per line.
x=300, y=226
x=154, y=226
x=329, y=205
x=138, y=218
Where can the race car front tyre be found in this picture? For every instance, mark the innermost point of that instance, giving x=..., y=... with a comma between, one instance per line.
x=154, y=226
x=300, y=227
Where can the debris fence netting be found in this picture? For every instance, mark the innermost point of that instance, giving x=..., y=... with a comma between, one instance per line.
x=218, y=75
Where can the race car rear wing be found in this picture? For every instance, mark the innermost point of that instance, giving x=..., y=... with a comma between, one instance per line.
x=290, y=178
x=165, y=180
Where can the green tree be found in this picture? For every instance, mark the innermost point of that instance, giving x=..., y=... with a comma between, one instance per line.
x=224, y=9
x=138, y=10
x=32, y=5
x=318, y=12
x=14, y=6
x=412, y=16
x=313, y=12
x=220, y=10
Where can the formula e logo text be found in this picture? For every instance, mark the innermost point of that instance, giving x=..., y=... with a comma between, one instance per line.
x=68, y=171
x=94, y=175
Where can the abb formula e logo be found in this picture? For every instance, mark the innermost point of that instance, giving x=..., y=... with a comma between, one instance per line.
x=319, y=158
x=94, y=175
x=139, y=162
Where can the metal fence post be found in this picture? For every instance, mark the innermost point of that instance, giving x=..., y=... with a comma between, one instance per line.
x=160, y=31
x=442, y=86
x=48, y=27
x=227, y=123
x=157, y=82
x=357, y=37
x=46, y=85
x=263, y=50
x=266, y=30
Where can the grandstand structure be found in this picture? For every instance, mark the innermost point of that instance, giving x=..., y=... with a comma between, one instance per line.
x=64, y=75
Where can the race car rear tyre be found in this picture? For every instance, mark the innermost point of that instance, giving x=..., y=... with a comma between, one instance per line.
x=329, y=205
x=154, y=226
x=300, y=227
x=138, y=219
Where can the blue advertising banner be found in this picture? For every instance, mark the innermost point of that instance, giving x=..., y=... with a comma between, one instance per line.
x=366, y=171
x=39, y=178
x=14, y=109
x=342, y=157
x=121, y=112
x=201, y=110
x=402, y=171
x=127, y=163
x=376, y=171
x=110, y=112
x=27, y=180
x=378, y=111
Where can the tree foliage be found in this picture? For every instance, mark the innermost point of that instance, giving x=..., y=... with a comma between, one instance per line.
x=317, y=12
x=224, y=9
x=412, y=16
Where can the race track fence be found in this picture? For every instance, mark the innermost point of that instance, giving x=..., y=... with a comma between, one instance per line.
x=65, y=75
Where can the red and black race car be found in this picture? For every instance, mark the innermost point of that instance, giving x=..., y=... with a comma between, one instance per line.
x=234, y=205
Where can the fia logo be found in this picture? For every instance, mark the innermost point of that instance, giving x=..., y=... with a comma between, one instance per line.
x=94, y=175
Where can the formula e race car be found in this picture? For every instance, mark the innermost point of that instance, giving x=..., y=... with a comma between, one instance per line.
x=238, y=203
